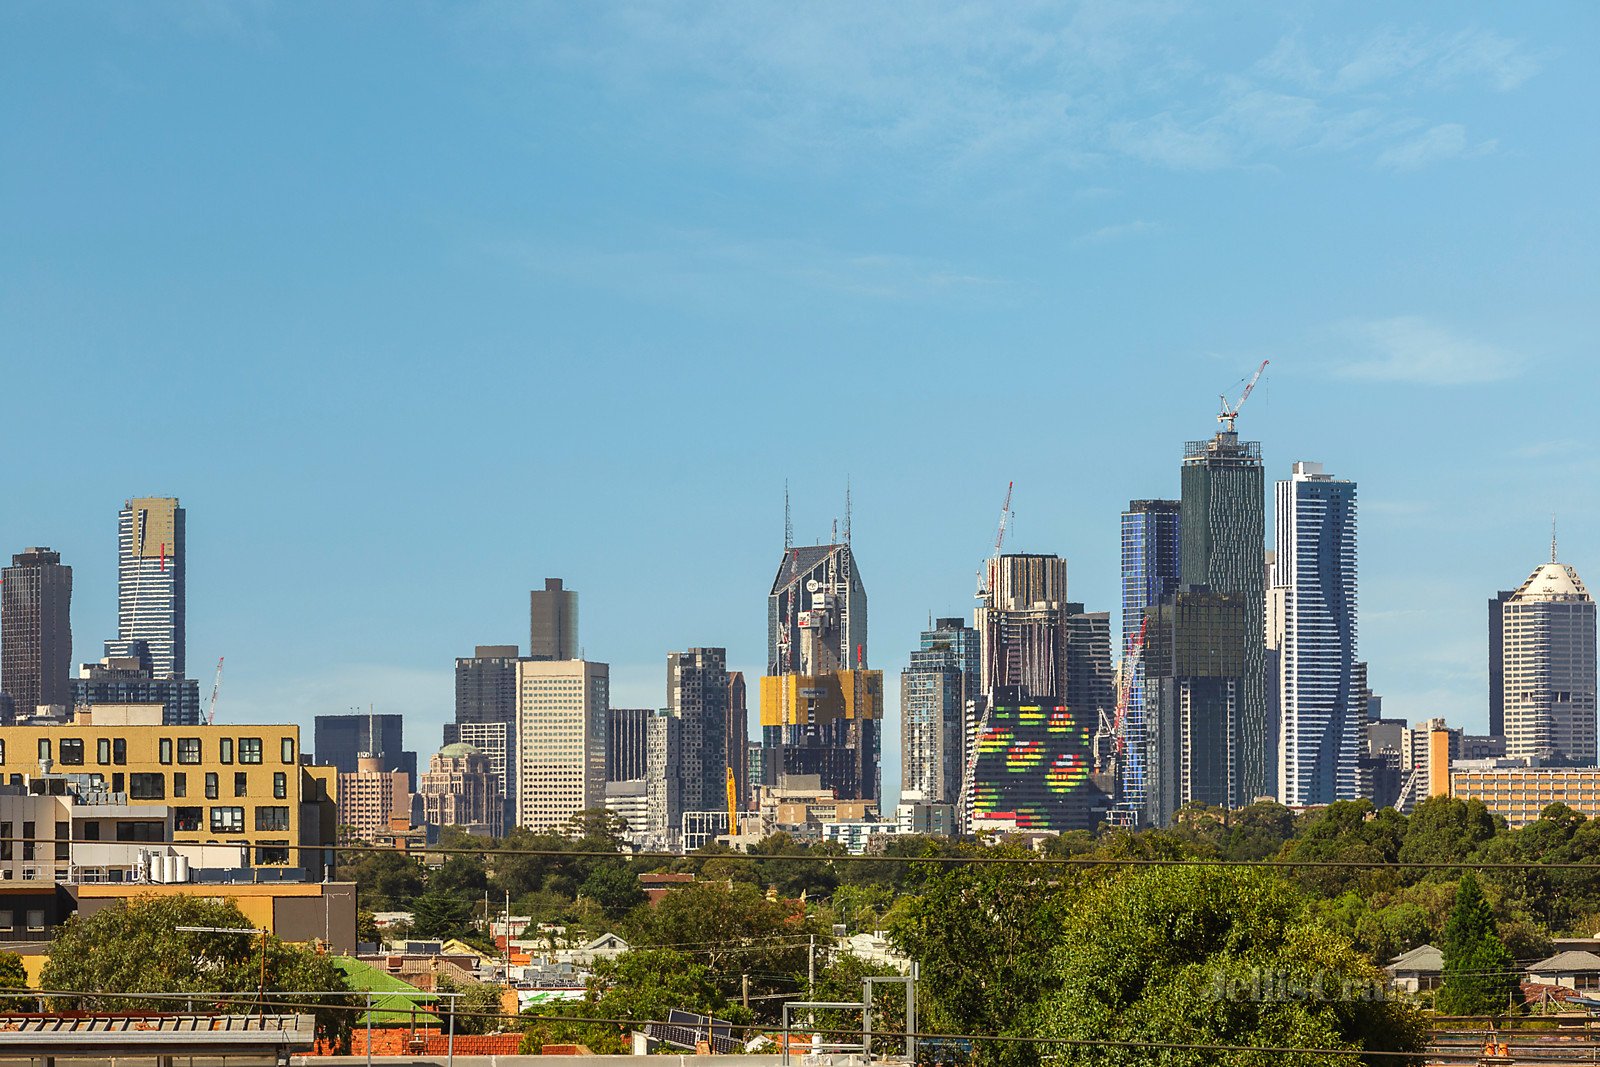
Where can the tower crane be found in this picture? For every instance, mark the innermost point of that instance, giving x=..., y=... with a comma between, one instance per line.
x=986, y=579
x=216, y=687
x=1115, y=731
x=999, y=541
x=1230, y=413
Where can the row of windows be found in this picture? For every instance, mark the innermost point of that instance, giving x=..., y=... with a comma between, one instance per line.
x=113, y=751
x=153, y=786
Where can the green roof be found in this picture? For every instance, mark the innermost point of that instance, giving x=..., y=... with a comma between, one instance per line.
x=393, y=1008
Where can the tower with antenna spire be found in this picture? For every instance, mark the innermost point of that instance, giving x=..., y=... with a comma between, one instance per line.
x=1547, y=666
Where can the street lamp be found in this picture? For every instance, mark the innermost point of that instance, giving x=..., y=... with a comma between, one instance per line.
x=247, y=931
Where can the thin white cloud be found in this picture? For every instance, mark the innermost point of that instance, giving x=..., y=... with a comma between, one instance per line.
x=1446, y=141
x=1412, y=349
x=1120, y=231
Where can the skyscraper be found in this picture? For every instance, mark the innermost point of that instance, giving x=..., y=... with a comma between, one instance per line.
x=934, y=691
x=553, y=622
x=486, y=712
x=1549, y=655
x=36, y=629
x=1022, y=626
x=736, y=746
x=1195, y=655
x=1224, y=550
x=1151, y=548
x=1318, y=687
x=152, y=556
x=697, y=695
x=561, y=740
x=820, y=705
x=1497, y=669
x=341, y=740
x=627, y=742
x=1091, y=686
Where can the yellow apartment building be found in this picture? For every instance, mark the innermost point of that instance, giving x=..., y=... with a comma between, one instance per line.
x=240, y=785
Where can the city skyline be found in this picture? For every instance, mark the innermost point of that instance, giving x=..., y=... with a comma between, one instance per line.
x=1128, y=254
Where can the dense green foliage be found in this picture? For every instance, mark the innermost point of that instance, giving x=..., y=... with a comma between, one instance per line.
x=134, y=946
x=1206, y=955
x=1479, y=975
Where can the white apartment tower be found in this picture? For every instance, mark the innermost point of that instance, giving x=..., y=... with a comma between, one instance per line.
x=1548, y=636
x=561, y=740
x=1311, y=638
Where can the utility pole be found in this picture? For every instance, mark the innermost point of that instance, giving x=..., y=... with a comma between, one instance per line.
x=811, y=978
x=744, y=983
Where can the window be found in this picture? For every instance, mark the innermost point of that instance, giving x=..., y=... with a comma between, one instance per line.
x=117, y=779
x=187, y=819
x=91, y=831
x=147, y=787
x=188, y=750
x=2, y=751
x=5, y=840
x=44, y=750
x=119, y=750
x=272, y=818
x=102, y=751
x=143, y=830
x=63, y=840
x=280, y=786
x=36, y=918
x=166, y=750
x=8, y=919
x=28, y=831
x=211, y=785
x=287, y=748
x=227, y=820
x=241, y=784
x=249, y=750
x=72, y=751
x=276, y=852
x=225, y=750
x=180, y=784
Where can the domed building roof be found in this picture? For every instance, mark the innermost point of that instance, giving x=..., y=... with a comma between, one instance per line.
x=459, y=750
x=1552, y=581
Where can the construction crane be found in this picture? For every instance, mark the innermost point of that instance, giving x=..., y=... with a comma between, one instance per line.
x=216, y=687
x=1229, y=413
x=999, y=541
x=1115, y=731
x=733, y=805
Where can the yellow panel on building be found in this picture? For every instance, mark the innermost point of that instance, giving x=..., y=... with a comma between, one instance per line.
x=819, y=699
x=155, y=526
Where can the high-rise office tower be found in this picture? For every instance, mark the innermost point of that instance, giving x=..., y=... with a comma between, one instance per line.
x=1548, y=636
x=738, y=737
x=461, y=788
x=627, y=742
x=1196, y=650
x=1022, y=626
x=934, y=691
x=553, y=622
x=663, y=783
x=1091, y=682
x=152, y=556
x=486, y=711
x=1497, y=669
x=1223, y=549
x=341, y=740
x=1318, y=689
x=1151, y=549
x=820, y=705
x=697, y=695
x=36, y=629
x=561, y=740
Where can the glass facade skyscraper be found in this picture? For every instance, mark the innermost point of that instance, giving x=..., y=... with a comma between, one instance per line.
x=152, y=556
x=934, y=690
x=1321, y=718
x=1223, y=542
x=1151, y=547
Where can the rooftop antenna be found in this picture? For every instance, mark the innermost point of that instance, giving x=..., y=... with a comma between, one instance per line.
x=788, y=522
x=847, y=509
x=1552, y=537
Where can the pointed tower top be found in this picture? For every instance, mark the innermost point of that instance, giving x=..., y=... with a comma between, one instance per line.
x=847, y=509
x=1552, y=537
x=788, y=522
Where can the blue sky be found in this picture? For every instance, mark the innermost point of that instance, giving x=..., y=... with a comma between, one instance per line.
x=414, y=305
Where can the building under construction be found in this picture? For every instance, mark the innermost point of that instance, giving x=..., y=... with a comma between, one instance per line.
x=820, y=705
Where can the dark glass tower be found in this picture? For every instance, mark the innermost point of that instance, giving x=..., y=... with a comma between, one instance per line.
x=1151, y=546
x=1224, y=549
x=36, y=630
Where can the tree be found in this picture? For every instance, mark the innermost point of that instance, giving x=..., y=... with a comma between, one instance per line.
x=477, y=1010
x=1479, y=975
x=13, y=975
x=614, y=889
x=133, y=946
x=386, y=879
x=983, y=936
x=1202, y=955
x=438, y=913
